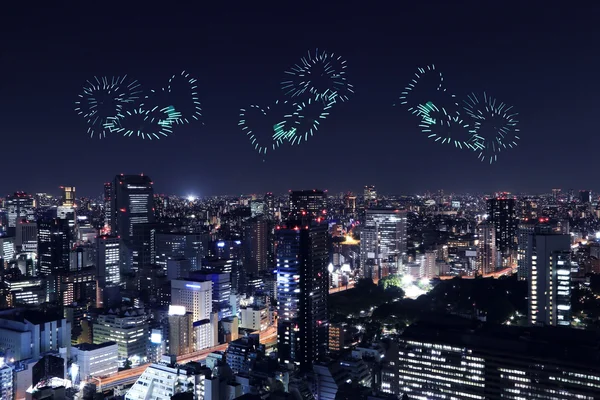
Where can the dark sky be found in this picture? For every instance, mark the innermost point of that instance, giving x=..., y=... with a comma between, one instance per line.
x=541, y=57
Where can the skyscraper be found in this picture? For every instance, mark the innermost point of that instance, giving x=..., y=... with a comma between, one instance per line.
x=383, y=241
x=487, y=253
x=54, y=245
x=20, y=205
x=307, y=204
x=370, y=196
x=108, y=251
x=269, y=205
x=502, y=213
x=108, y=214
x=549, y=279
x=255, y=245
x=132, y=202
x=68, y=197
x=302, y=290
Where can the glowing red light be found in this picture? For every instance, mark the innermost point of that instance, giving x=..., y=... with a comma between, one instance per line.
x=123, y=210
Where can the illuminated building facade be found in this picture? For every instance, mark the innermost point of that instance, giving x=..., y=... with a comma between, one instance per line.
x=108, y=250
x=302, y=290
x=439, y=360
x=255, y=245
x=96, y=360
x=128, y=327
x=307, y=204
x=181, y=334
x=132, y=202
x=20, y=205
x=195, y=296
x=502, y=214
x=549, y=279
x=383, y=241
x=487, y=253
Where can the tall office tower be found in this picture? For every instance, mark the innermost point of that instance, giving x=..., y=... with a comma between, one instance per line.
x=307, y=204
x=131, y=203
x=142, y=246
x=549, y=278
x=302, y=290
x=108, y=252
x=108, y=193
x=26, y=236
x=54, y=245
x=195, y=296
x=233, y=252
x=255, y=245
x=585, y=196
x=383, y=241
x=20, y=205
x=502, y=213
x=370, y=196
x=177, y=246
x=487, y=253
x=269, y=206
x=181, y=334
x=68, y=196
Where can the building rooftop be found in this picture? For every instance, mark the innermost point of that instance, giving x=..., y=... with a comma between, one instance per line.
x=91, y=347
x=564, y=345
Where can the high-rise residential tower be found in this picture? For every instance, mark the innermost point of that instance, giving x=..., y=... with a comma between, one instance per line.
x=502, y=214
x=549, y=279
x=302, y=290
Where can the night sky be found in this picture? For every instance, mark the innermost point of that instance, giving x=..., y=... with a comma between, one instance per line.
x=541, y=57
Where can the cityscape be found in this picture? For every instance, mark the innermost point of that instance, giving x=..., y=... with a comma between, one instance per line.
x=307, y=294
x=299, y=201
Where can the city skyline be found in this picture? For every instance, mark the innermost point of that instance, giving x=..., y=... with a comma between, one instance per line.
x=535, y=59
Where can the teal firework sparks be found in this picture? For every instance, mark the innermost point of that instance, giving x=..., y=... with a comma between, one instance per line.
x=445, y=127
x=427, y=84
x=103, y=99
x=267, y=127
x=319, y=74
x=308, y=118
x=146, y=124
x=181, y=93
x=494, y=125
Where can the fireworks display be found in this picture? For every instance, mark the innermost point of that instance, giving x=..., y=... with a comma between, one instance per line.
x=267, y=127
x=494, y=125
x=181, y=93
x=425, y=86
x=445, y=127
x=309, y=115
x=483, y=125
x=314, y=85
x=319, y=74
x=145, y=124
x=116, y=105
x=103, y=99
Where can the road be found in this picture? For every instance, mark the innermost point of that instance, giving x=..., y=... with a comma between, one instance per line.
x=129, y=376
